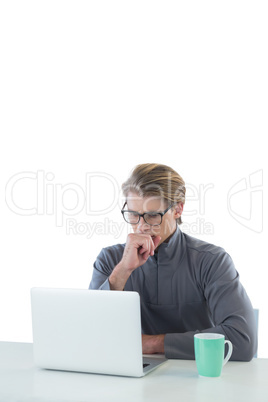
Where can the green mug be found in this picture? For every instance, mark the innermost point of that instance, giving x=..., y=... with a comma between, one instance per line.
x=209, y=353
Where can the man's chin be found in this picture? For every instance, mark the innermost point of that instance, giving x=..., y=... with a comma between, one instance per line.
x=153, y=236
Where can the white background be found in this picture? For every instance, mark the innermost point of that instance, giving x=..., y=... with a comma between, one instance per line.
x=89, y=89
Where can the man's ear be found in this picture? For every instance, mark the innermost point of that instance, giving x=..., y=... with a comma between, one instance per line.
x=178, y=209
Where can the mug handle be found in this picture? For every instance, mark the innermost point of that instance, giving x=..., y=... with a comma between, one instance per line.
x=230, y=351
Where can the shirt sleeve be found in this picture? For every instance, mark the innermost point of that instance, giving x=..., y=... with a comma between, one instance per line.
x=107, y=259
x=230, y=308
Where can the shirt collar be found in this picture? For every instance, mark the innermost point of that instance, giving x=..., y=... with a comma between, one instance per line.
x=172, y=251
x=174, y=239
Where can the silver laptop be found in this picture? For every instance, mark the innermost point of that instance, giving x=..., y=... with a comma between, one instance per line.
x=93, y=331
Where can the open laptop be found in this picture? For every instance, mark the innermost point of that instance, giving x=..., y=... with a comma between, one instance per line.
x=93, y=331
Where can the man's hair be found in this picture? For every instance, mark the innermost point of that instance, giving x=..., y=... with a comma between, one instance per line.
x=153, y=179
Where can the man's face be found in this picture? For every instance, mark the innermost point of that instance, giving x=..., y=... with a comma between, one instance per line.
x=154, y=204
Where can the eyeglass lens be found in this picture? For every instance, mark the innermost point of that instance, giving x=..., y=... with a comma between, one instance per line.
x=150, y=218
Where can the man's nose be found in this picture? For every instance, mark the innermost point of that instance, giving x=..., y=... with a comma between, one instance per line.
x=142, y=224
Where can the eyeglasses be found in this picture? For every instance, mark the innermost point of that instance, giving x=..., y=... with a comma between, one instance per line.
x=151, y=218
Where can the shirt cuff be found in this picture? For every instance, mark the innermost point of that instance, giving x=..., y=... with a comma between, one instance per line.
x=180, y=346
x=105, y=285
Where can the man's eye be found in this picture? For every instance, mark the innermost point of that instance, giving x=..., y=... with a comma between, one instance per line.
x=152, y=216
x=133, y=214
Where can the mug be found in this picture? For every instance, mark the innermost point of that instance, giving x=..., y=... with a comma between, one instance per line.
x=209, y=353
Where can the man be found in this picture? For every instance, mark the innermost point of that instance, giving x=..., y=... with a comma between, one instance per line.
x=186, y=285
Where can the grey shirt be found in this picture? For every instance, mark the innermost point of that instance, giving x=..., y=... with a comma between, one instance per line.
x=188, y=286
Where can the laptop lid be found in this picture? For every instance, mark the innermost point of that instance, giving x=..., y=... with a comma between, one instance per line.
x=93, y=331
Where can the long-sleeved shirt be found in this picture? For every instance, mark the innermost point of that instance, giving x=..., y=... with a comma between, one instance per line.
x=188, y=286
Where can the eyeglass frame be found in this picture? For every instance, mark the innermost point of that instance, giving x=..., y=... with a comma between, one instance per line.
x=142, y=215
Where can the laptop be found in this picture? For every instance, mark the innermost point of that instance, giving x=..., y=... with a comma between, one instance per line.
x=92, y=331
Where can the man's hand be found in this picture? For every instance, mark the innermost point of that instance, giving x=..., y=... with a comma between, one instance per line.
x=153, y=344
x=137, y=251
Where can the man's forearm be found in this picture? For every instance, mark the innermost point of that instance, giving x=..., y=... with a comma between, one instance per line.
x=153, y=344
x=119, y=277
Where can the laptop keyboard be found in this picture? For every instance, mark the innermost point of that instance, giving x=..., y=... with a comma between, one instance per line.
x=145, y=365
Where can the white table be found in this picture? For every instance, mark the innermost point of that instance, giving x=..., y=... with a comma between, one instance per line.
x=176, y=380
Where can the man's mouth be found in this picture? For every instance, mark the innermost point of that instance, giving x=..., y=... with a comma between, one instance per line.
x=153, y=236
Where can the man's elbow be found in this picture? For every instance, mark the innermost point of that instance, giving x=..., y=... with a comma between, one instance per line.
x=245, y=351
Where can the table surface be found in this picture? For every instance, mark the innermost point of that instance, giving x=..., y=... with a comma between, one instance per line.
x=176, y=380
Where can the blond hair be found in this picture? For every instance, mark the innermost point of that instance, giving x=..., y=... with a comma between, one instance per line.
x=153, y=179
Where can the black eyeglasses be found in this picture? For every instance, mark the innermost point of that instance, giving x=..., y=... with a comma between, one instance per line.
x=151, y=218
